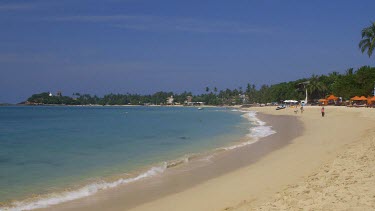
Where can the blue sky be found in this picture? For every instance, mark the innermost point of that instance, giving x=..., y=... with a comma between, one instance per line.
x=144, y=46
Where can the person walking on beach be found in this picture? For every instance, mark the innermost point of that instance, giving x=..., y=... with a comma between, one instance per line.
x=322, y=111
x=296, y=110
x=301, y=109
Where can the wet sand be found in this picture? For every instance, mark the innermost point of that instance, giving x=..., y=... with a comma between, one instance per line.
x=196, y=173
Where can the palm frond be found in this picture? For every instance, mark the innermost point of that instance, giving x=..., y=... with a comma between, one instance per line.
x=368, y=39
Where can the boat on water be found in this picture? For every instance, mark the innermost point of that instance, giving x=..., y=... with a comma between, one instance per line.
x=200, y=108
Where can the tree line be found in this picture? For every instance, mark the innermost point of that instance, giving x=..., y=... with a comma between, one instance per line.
x=345, y=85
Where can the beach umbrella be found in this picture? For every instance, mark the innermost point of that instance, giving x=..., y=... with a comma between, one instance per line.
x=370, y=100
x=354, y=98
x=332, y=97
x=362, y=98
x=290, y=101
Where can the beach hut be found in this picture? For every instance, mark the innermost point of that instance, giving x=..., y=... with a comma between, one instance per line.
x=358, y=101
x=332, y=99
x=363, y=100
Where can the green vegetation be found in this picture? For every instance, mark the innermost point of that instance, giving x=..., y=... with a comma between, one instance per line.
x=368, y=39
x=349, y=84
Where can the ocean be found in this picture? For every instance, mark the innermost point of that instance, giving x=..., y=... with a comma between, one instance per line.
x=53, y=154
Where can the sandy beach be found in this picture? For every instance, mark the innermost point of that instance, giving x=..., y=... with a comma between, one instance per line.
x=312, y=163
x=345, y=178
x=309, y=173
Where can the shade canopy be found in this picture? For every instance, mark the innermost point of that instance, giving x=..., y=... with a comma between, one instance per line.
x=355, y=98
x=332, y=97
x=362, y=98
x=371, y=99
x=290, y=101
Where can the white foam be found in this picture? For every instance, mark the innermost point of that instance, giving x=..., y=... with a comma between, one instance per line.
x=260, y=130
x=85, y=191
x=207, y=158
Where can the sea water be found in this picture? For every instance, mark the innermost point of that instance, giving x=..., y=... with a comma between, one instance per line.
x=61, y=153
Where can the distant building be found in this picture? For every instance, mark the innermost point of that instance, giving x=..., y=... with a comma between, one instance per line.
x=188, y=101
x=58, y=94
x=243, y=98
x=50, y=94
x=170, y=100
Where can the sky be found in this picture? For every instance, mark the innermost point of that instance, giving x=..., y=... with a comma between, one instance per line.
x=145, y=46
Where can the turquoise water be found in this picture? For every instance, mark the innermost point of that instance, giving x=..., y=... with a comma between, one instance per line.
x=45, y=149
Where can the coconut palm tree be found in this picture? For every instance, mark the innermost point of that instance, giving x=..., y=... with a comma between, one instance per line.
x=368, y=39
x=316, y=87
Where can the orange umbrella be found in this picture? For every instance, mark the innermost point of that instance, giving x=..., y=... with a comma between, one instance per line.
x=370, y=101
x=332, y=97
x=362, y=98
x=355, y=98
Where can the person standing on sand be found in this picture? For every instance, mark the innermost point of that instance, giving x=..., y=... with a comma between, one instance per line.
x=323, y=111
x=301, y=109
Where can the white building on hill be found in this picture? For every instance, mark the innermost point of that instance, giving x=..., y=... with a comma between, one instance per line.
x=170, y=100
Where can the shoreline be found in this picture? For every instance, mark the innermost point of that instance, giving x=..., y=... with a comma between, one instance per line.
x=250, y=187
x=183, y=177
x=120, y=180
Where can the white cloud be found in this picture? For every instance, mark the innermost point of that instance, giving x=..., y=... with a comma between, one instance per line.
x=15, y=7
x=155, y=23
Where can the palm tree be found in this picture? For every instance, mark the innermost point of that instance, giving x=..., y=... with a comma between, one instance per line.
x=349, y=71
x=368, y=39
x=215, y=90
x=304, y=86
x=316, y=86
x=240, y=88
